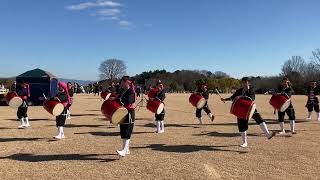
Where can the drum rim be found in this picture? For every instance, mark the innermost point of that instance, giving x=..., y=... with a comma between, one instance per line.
x=107, y=96
x=285, y=105
x=249, y=115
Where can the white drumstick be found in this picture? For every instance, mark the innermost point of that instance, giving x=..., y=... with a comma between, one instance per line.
x=44, y=96
x=219, y=94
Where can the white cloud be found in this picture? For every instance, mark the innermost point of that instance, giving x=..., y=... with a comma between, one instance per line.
x=86, y=5
x=109, y=12
x=115, y=18
x=124, y=23
x=105, y=11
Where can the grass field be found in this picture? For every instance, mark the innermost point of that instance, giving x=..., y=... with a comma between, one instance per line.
x=185, y=151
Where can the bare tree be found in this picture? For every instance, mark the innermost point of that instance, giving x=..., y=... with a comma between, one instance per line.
x=220, y=75
x=316, y=56
x=112, y=69
x=294, y=64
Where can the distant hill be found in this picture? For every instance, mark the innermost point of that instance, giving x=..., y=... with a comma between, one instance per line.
x=7, y=78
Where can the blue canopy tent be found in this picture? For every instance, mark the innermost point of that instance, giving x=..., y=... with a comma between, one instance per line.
x=40, y=82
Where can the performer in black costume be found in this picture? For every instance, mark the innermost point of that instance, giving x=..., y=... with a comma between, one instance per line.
x=22, y=113
x=127, y=98
x=313, y=101
x=248, y=92
x=64, y=98
x=159, y=96
x=203, y=91
x=286, y=89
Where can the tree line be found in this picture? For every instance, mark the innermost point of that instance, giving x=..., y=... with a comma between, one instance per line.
x=296, y=68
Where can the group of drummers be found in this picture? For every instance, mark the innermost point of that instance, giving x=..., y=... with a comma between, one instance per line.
x=58, y=106
x=118, y=106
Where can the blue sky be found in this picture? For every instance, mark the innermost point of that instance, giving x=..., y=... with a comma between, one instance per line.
x=71, y=38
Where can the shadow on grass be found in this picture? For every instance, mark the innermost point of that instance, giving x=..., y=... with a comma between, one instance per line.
x=19, y=139
x=26, y=157
x=221, y=134
x=174, y=125
x=78, y=115
x=111, y=133
x=94, y=110
x=188, y=148
x=86, y=125
x=101, y=133
x=33, y=119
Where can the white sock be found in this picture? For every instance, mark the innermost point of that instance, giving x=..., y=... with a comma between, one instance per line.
x=292, y=125
x=264, y=128
x=200, y=121
x=22, y=123
x=158, y=126
x=244, y=138
x=309, y=115
x=210, y=115
x=318, y=116
x=126, y=144
x=125, y=149
x=282, y=126
x=162, y=126
x=61, y=131
x=27, y=121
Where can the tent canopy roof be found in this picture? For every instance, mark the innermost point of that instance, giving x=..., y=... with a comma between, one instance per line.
x=37, y=73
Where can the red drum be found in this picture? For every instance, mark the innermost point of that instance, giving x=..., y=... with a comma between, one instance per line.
x=197, y=101
x=280, y=102
x=114, y=112
x=152, y=93
x=105, y=95
x=53, y=107
x=155, y=106
x=243, y=108
x=13, y=100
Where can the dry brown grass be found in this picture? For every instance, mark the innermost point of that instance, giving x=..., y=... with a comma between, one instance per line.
x=185, y=151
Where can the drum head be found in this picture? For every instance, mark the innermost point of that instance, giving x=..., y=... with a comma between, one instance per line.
x=15, y=102
x=201, y=103
x=58, y=109
x=251, y=112
x=119, y=116
x=285, y=105
x=160, y=108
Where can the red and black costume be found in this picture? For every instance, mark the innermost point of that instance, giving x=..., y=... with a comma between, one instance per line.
x=127, y=99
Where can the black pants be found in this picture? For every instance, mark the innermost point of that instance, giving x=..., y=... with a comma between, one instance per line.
x=243, y=123
x=205, y=108
x=22, y=110
x=126, y=127
x=289, y=111
x=313, y=106
x=61, y=119
x=160, y=117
